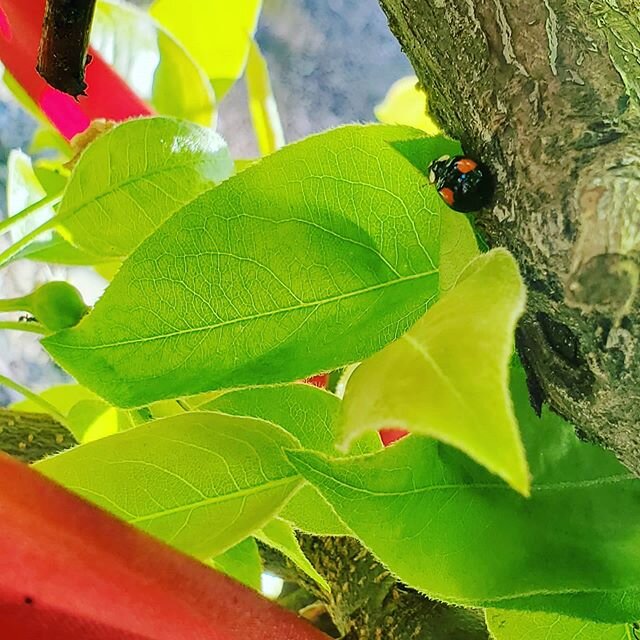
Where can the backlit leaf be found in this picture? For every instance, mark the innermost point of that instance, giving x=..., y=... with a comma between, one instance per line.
x=315, y=257
x=446, y=526
x=152, y=62
x=405, y=103
x=216, y=33
x=522, y=625
x=280, y=536
x=425, y=382
x=135, y=176
x=309, y=414
x=200, y=481
x=262, y=104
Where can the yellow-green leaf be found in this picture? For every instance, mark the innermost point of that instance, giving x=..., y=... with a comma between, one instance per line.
x=406, y=103
x=200, y=481
x=242, y=562
x=216, y=33
x=526, y=625
x=448, y=377
x=262, y=104
x=281, y=536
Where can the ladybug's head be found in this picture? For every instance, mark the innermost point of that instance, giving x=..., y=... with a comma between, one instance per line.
x=437, y=168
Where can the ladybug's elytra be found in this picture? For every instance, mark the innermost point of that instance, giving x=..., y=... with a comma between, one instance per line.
x=464, y=184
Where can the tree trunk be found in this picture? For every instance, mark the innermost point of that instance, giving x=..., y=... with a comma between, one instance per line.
x=547, y=93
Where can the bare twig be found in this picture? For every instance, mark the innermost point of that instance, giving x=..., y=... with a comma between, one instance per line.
x=62, y=55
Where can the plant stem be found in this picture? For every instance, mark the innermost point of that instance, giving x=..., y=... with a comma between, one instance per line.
x=34, y=397
x=7, y=223
x=15, y=248
x=29, y=327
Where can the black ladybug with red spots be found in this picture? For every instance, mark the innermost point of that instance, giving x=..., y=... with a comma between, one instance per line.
x=464, y=184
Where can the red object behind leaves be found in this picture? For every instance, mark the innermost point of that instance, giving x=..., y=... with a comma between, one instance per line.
x=389, y=436
x=108, y=96
x=69, y=571
x=321, y=380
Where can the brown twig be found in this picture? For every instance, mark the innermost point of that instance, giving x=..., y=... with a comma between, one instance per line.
x=62, y=55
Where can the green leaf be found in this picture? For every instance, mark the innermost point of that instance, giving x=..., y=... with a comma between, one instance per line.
x=522, y=625
x=315, y=257
x=63, y=397
x=447, y=527
x=424, y=383
x=216, y=34
x=24, y=189
x=200, y=481
x=458, y=247
x=242, y=562
x=405, y=103
x=262, y=104
x=26, y=185
x=309, y=414
x=135, y=176
x=88, y=417
x=153, y=63
x=280, y=536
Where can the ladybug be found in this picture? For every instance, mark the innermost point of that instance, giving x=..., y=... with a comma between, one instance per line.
x=464, y=184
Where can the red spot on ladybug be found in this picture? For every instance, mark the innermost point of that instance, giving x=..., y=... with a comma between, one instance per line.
x=447, y=195
x=464, y=184
x=465, y=165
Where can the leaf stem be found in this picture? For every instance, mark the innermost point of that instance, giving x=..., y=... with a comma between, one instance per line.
x=15, y=248
x=34, y=397
x=7, y=223
x=29, y=327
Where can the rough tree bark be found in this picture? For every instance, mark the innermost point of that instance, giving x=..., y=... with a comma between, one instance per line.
x=547, y=93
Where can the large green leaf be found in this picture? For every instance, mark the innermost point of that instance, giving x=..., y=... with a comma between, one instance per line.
x=523, y=625
x=200, y=481
x=152, y=62
x=316, y=256
x=216, y=33
x=309, y=414
x=425, y=382
x=446, y=526
x=132, y=178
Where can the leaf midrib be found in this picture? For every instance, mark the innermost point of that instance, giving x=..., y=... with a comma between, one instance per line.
x=256, y=316
x=248, y=491
x=66, y=216
x=578, y=484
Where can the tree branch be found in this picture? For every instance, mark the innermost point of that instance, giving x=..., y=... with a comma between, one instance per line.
x=62, y=55
x=367, y=603
x=547, y=92
x=32, y=436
